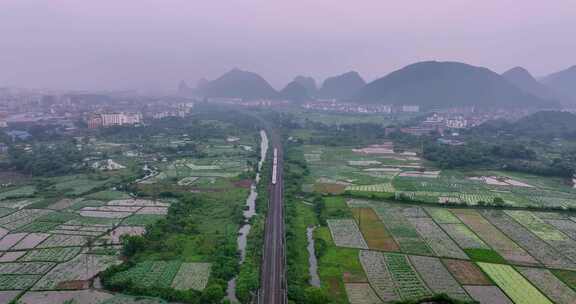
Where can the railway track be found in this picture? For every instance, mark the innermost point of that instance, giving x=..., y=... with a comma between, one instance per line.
x=273, y=284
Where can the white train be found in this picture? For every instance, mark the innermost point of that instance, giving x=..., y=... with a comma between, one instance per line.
x=275, y=167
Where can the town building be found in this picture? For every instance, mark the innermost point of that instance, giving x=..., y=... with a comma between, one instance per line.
x=114, y=119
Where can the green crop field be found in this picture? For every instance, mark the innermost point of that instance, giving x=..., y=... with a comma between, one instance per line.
x=150, y=274
x=25, y=191
x=513, y=284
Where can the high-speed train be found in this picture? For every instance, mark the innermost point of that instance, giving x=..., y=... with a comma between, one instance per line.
x=275, y=167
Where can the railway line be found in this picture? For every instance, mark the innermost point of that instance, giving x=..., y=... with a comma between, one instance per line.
x=273, y=284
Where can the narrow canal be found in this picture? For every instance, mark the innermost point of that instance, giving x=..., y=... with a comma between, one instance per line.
x=248, y=214
x=312, y=261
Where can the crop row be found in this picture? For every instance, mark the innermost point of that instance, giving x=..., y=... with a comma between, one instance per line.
x=514, y=284
x=52, y=254
x=192, y=276
x=437, y=277
x=150, y=274
x=386, y=187
x=404, y=233
x=25, y=268
x=82, y=267
x=538, y=248
x=408, y=282
x=437, y=239
x=345, y=233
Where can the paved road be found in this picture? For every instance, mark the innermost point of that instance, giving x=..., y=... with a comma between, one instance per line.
x=273, y=289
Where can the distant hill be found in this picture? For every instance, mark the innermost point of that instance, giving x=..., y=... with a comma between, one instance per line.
x=184, y=89
x=444, y=84
x=295, y=91
x=238, y=84
x=342, y=86
x=522, y=79
x=564, y=84
x=309, y=83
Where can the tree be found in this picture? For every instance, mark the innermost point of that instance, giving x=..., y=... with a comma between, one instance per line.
x=212, y=294
x=315, y=295
x=132, y=244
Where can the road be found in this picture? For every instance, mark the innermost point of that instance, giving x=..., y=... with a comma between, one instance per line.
x=273, y=285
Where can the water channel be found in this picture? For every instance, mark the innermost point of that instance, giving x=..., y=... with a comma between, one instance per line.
x=312, y=261
x=248, y=214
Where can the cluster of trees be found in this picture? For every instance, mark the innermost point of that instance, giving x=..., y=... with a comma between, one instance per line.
x=47, y=159
x=544, y=125
x=508, y=156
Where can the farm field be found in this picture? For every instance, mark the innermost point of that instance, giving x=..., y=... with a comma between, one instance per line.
x=380, y=172
x=45, y=249
x=418, y=231
x=59, y=233
x=468, y=254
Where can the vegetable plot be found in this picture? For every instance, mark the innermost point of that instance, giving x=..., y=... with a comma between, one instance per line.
x=549, y=284
x=345, y=233
x=514, y=284
x=437, y=277
x=361, y=293
x=150, y=274
x=378, y=275
x=192, y=276
x=408, y=282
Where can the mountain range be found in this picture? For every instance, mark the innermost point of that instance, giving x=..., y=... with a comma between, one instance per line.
x=238, y=84
x=428, y=84
x=446, y=84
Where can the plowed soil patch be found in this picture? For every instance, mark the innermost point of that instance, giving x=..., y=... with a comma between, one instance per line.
x=466, y=272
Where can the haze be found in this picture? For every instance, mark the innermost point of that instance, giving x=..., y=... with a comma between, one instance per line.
x=145, y=44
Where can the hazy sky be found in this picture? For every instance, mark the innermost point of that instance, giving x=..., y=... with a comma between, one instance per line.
x=117, y=44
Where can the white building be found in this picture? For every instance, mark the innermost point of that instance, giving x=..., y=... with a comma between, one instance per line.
x=118, y=119
x=409, y=108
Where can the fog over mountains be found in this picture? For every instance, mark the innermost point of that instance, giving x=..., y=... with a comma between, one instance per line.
x=429, y=84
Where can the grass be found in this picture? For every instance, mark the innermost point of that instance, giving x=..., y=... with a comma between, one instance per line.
x=485, y=255
x=297, y=244
x=336, y=266
x=336, y=207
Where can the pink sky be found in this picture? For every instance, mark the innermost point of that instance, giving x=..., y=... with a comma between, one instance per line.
x=146, y=44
